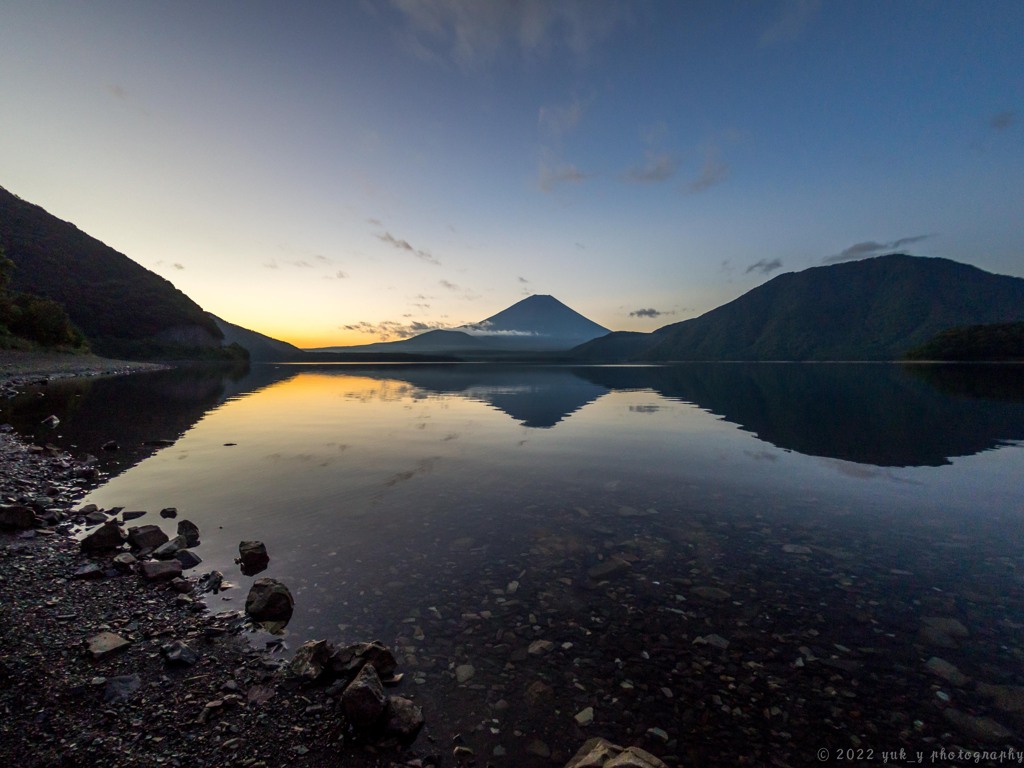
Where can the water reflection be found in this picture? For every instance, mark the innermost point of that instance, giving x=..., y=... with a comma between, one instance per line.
x=618, y=538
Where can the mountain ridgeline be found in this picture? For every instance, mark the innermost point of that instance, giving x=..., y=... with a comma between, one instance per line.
x=123, y=309
x=875, y=309
x=537, y=324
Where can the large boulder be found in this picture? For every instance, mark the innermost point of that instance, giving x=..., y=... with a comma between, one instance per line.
x=402, y=718
x=269, y=600
x=253, y=557
x=167, y=550
x=190, y=531
x=348, y=661
x=146, y=536
x=16, y=516
x=363, y=700
x=160, y=570
x=311, y=659
x=107, y=536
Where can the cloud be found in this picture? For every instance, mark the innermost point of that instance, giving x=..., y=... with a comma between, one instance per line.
x=1003, y=121
x=553, y=175
x=178, y=265
x=476, y=34
x=870, y=248
x=403, y=245
x=392, y=329
x=712, y=173
x=657, y=167
x=374, y=222
x=763, y=266
x=560, y=120
x=649, y=312
x=339, y=275
x=523, y=280
x=797, y=16
x=449, y=285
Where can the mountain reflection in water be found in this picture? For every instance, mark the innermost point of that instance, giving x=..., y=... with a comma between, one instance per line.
x=776, y=546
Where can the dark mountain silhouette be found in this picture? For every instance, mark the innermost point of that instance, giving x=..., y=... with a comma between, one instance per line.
x=875, y=309
x=878, y=414
x=989, y=343
x=123, y=309
x=261, y=348
x=535, y=324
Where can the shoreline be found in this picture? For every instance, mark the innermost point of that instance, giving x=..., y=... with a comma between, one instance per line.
x=69, y=699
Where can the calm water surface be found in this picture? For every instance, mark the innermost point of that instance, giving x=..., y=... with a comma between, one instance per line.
x=731, y=562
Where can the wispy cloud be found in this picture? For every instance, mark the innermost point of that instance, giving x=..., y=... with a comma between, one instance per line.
x=1003, y=121
x=339, y=275
x=554, y=174
x=392, y=329
x=178, y=265
x=403, y=245
x=561, y=119
x=650, y=312
x=712, y=172
x=870, y=248
x=474, y=35
x=657, y=167
x=764, y=266
x=795, y=18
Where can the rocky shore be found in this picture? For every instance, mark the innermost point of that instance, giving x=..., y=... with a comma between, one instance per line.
x=110, y=656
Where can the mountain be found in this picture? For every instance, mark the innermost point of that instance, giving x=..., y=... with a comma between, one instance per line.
x=261, y=348
x=123, y=309
x=535, y=324
x=875, y=309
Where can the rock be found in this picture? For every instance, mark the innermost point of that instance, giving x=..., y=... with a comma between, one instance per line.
x=538, y=748
x=584, y=717
x=346, y=662
x=16, y=516
x=146, y=537
x=464, y=673
x=124, y=561
x=402, y=718
x=160, y=570
x=211, y=582
x=253, y=557
x=715, y=641
x=942, y=632
x=107, y=536
x=796, y=549
x=179, y=653
x=167, y=550
x=363, y=700
x=601, y=753
x=89, y=571
x=311, y=659
x=713, y=594
x=133, y=515
x=946, y=671
x=50, y=421
x=110, y=445
x=269, y=600
x=121, y=687
x=980, y=728
x=105, y=643
x=537, y=692
x=1006, y=698
x=540, y=647
x=613, y=566
x=96, y=517
x=169, y=512
x=187, y=558
x=190, y=531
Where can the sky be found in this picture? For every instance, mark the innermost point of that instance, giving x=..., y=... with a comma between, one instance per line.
x=348, y=172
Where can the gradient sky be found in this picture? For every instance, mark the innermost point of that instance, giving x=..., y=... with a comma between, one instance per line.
x=340, y=172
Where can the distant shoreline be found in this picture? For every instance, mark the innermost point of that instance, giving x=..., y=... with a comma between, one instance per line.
x=16, y=366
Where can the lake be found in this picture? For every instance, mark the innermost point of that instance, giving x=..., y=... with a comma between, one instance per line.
x=727, y=563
